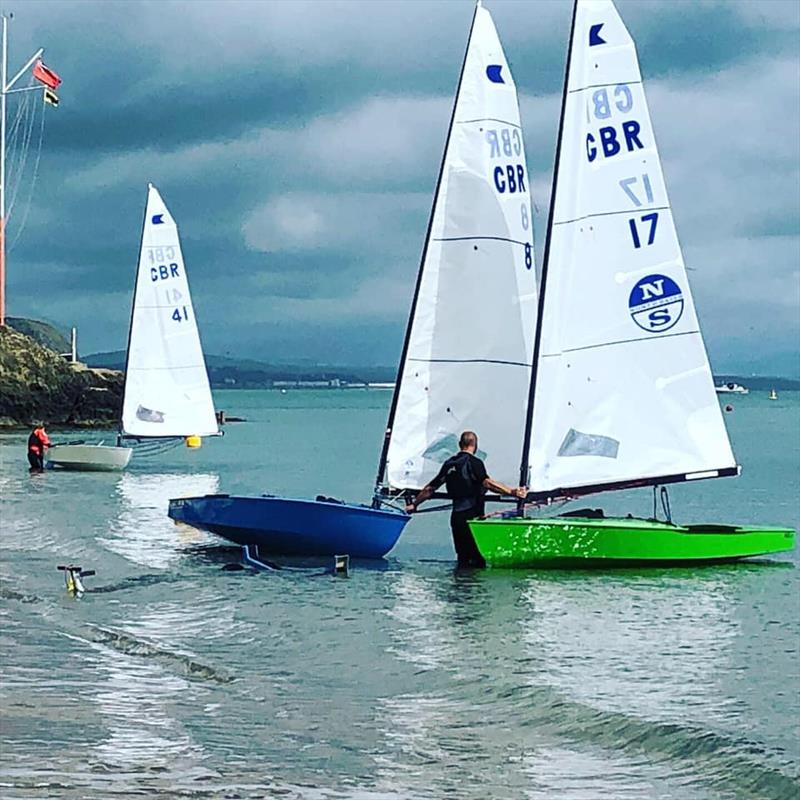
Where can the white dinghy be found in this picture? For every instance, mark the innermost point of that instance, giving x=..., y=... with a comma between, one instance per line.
x=89, y=457
x=167, y=396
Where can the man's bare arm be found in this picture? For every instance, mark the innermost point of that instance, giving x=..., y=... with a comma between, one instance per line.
x=425, y=494
x=495, y=486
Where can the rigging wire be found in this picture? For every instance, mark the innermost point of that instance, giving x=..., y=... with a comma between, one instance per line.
x=14, y=150
x=152, y=447
x=11, y=135
x=29, y=203
x=23, y=158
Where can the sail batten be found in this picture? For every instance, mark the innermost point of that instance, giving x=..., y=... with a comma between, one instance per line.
x=622, y=393
x=167, y=393
x=468, y=350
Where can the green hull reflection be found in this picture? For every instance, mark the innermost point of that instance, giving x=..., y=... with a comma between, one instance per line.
x=583, y=543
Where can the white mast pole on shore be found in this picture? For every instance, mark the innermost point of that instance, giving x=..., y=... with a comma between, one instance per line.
x=6, y=87
x=3, y=76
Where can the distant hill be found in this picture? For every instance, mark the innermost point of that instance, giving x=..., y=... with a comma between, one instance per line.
x=42, y=332
x=242, y=373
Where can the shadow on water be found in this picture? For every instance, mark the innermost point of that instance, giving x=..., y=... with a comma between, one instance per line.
x=230, y=557
x=10, y=594
x=132, y=645
x=134, y=582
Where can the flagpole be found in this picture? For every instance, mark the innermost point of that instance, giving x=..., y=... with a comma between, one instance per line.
x=5, y=90
x=3, y=78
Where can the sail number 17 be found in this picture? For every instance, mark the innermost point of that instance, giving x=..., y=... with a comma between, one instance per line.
x=651, y=234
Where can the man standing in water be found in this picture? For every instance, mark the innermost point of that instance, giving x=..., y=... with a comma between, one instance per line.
x=38, y=442
x=465, y=477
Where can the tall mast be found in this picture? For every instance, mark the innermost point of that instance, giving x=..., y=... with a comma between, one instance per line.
x=537, y=342
x=6, y=88
x=121, y=431
x=398, y=381
x=3, y=77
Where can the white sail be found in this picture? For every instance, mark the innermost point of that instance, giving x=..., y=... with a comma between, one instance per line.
x=166, y=384
x=470, y=339
x=623, y=386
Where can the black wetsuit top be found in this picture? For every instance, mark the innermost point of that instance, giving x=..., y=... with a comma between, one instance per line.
x=464, y=475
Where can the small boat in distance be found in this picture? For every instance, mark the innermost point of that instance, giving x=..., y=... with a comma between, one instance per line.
x=167, y=397
x=773, y=395
x=731, y=388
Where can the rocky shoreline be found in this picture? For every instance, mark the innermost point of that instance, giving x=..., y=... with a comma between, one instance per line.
x=37, y=384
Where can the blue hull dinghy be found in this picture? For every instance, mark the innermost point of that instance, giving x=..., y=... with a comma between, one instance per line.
x=292, y=527
x=478, y=248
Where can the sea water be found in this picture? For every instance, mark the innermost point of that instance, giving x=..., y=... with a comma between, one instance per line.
x=173, y=677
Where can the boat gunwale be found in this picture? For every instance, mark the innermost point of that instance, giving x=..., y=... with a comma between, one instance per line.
x=641, y=523
x=305, y=501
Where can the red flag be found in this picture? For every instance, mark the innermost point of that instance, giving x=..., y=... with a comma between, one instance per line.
x=45, y=75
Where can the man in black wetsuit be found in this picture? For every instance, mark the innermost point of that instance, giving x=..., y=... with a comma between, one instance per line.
x=465, y=477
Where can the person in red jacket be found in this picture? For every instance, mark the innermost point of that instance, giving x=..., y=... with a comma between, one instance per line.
x=38, y=442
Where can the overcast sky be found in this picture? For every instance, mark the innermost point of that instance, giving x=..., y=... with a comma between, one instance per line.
x=298, y=144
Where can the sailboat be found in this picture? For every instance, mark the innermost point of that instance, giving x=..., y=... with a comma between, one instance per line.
x=167, y=397
x=773, y=395
x=621, y=392
x=466, y=358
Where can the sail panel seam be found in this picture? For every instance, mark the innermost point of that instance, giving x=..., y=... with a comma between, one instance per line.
x=606, y=85
x=614, y=214
x=470, y=361
x=478, y=238
x=621, y=341
x=488, y=119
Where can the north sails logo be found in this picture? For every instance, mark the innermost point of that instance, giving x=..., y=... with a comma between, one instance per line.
x=656, y=303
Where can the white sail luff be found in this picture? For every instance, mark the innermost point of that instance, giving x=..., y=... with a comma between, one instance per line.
x=166, y=384
x=470, y=343
x=623, y=388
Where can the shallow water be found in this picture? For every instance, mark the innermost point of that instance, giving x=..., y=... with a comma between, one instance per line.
x=175, y=678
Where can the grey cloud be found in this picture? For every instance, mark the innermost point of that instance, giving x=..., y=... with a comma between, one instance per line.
x=239, y=110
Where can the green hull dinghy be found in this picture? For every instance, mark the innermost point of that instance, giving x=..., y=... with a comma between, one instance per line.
x=620, y=393
x=620, y=542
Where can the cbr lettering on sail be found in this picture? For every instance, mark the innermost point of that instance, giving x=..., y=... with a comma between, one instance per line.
x=621, y=393
x=167, y=393
x=167, y=396
x=466, y=361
